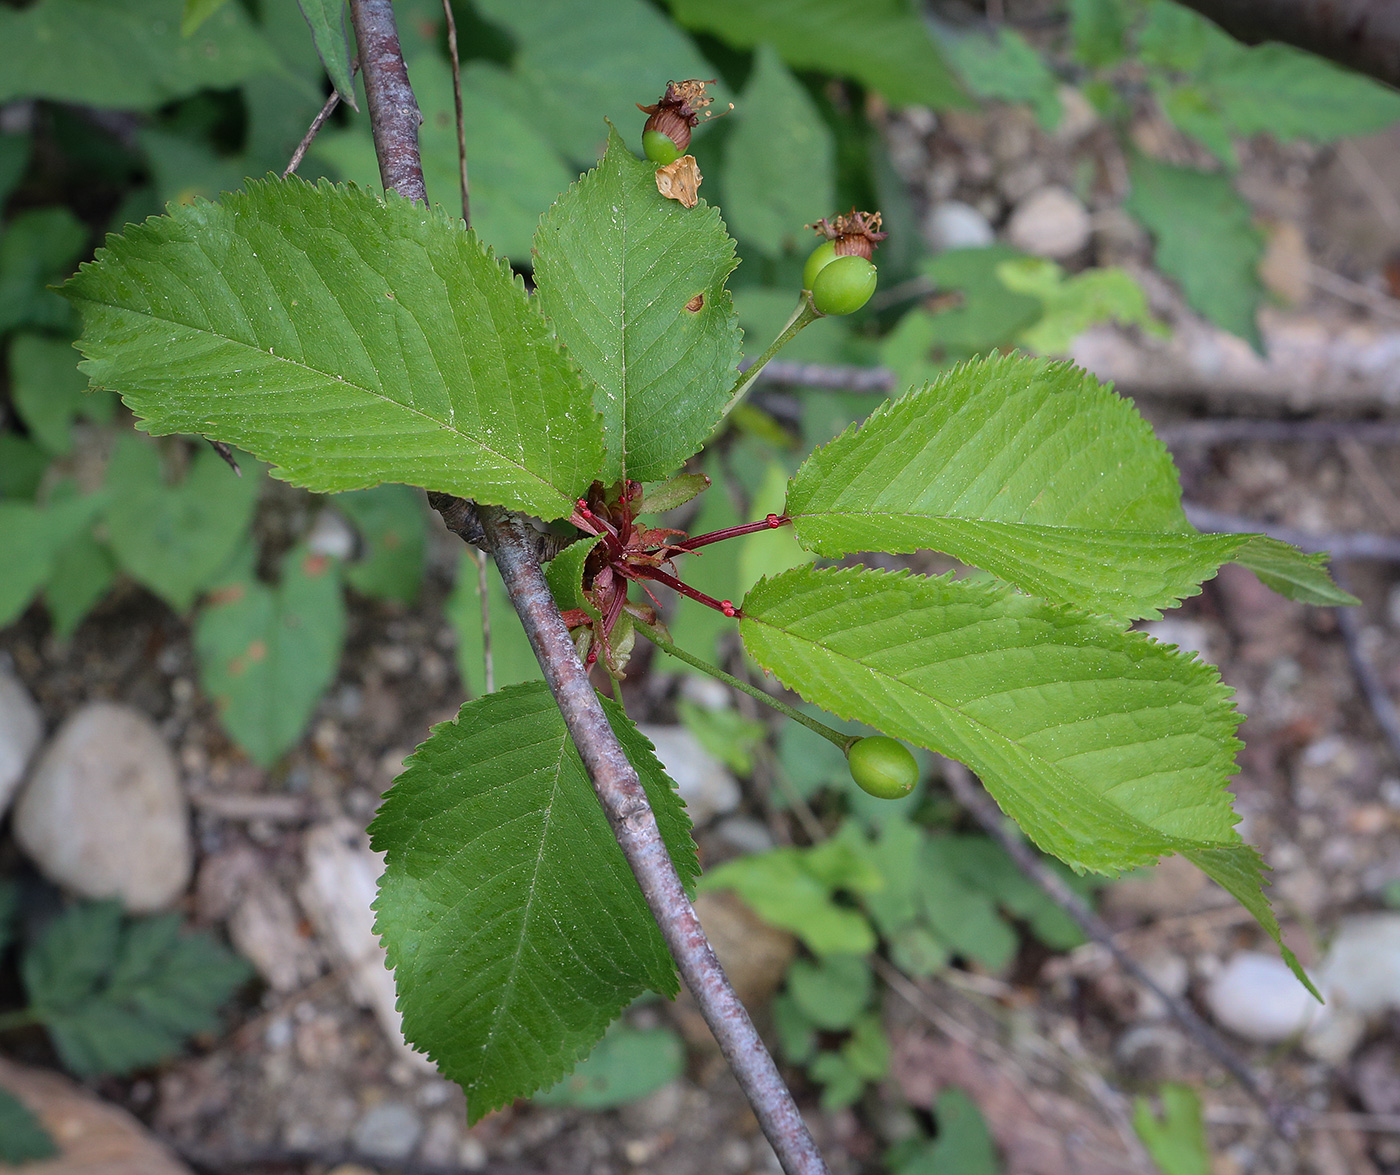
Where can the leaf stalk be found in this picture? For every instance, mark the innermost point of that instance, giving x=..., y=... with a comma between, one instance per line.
x=805, y=314
x=831, y=735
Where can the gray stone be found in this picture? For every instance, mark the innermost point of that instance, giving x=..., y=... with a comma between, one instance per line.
x=1050, y=223
x=955, y=225
x=341, y=882
x=21, y=728
x=264, y=928
x=389, y=1130
x=1362, y=968
x=103, y=813
x=705, y=784
x=331, y=535
x=1258, y=998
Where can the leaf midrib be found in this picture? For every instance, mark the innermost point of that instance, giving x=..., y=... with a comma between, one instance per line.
x=504, y=1004
x=1047, y=765
x=443, y=426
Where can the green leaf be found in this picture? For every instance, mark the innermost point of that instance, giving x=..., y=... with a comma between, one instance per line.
x=1002, y=65
x=47, y=390
x=960, y=911
x=626, y=1066
x=1107, y=748
x=516, y=172
x=391, y=523
x=779, y=160
x=832, y=992
x=123, y=54
x=785, y=892
x=797, y=1035
x=1283, y=91
x=1073, y=304
x=184, y=167
x=724, y=733
x=175, y=539
x=1291, y=573
x=867, y=1049
x=23, y=1138
x=15, y=148
x=617, y=268
x=36, y=247
x=83, y=571
x=981, y=862
x=1097, y=29
x=514, y=926
x=1176, y=1141
x=512, y=658
x=22, y=466
x=578, y=62
x=1029, y=469
x=196, y=13
x=1176, y=38
x=1192, y=111
x=841, y=1083
x=297, y=322
x=988, y=316
x=564, y=574
x=327, y=21
x=1206, y=241
x=266, y=655
x=963, y=1146
x=882, y=43
x=32, y=538
x=118, y=995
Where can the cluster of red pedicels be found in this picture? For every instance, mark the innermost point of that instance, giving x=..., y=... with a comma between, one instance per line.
x=630, y=552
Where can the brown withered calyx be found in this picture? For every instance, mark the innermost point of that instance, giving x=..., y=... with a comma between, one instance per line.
x=678, y=110
x=854, y=233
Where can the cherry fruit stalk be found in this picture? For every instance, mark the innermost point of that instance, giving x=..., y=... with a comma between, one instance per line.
x=629, y=552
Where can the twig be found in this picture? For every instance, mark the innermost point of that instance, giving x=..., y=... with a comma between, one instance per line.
x=1311, y=1119
x=1353, y=292
x=1372, y=685
x=461, y=164
x=1361, y=545
x=620, y=792
x=1359, y=459
x=1377, y=190
x=488, y=662
x=239, y=1160
x=1227, y=429
x=988, y=815
x=394, y=117
x=316, y=124
x=780, y=373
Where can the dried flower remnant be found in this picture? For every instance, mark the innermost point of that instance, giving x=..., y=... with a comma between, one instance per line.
x=680, y=181
x=675, y=114
x=854, y=234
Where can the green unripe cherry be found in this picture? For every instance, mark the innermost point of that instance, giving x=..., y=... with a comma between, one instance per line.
x=882, y=766
x=659, y=147
x=843, y=285
x=822, y=256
